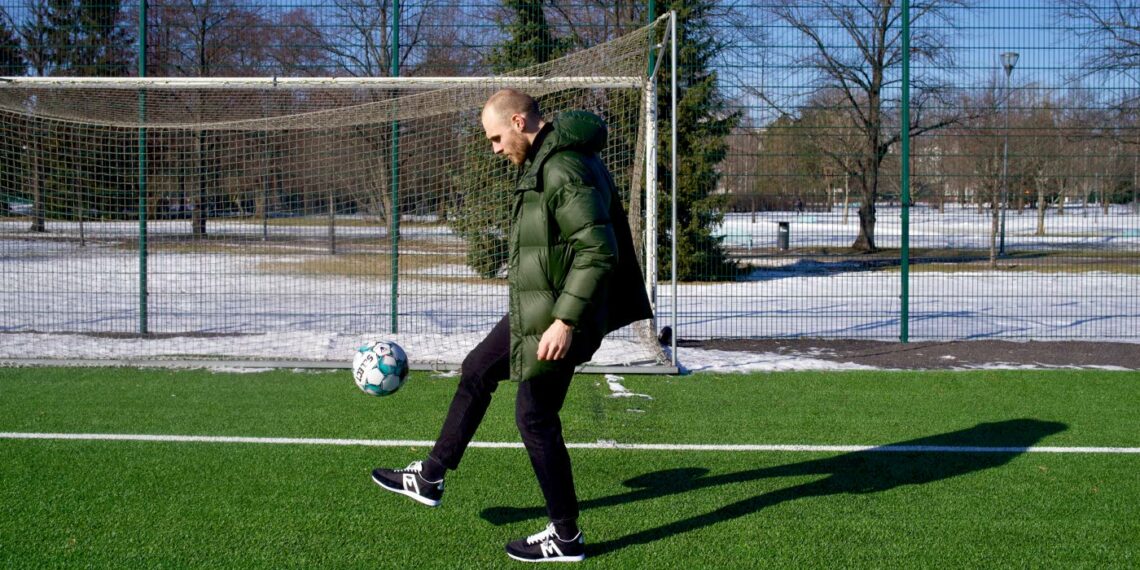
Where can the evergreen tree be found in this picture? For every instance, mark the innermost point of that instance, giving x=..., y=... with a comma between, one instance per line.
x=482, y=208
x=86, y=38
x=530, y=40
x=11, y=63
x=76, y=37
x=11, y=54
x=34, y=33
x=703, y=124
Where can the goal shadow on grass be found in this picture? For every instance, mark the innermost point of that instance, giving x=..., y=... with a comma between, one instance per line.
x=870, y=471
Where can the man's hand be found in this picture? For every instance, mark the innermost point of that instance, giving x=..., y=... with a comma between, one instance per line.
x=555, y=341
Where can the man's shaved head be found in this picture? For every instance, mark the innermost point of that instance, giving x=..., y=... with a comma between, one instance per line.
x=507, y=102
x=511, y=120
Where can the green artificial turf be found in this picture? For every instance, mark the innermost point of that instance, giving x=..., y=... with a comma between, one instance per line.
x=116, y=504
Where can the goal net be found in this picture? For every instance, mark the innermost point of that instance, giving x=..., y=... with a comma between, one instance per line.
x=279, y=221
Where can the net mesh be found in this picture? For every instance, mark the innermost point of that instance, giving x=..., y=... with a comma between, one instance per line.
x=282, y=222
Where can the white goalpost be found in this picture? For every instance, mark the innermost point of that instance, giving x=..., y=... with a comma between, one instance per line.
x=282, y=221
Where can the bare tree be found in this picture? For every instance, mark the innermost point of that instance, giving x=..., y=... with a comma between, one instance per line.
x=834, y=133
x=358, y=39
x=930, y=178
x=740, y=167
x=205, y=38
x=856, y=50
x=778, y=163
x=446, y=48
x=295, y=45
x=1041, y=151
x=979, y=153
x=596, y=21
x=1109, y=34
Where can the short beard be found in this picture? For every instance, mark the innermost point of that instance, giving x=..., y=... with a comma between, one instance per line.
x=516, y=151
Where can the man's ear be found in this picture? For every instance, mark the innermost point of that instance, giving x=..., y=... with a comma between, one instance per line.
x=518, y=121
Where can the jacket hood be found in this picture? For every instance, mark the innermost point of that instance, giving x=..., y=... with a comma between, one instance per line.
x=577, y=130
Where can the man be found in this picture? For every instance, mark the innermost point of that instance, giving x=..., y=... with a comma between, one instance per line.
x=573, y=278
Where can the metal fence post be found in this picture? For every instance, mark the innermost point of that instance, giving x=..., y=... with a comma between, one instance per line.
x=904, y=199
x=142, y=173
x=395, y=174
x=673, y=171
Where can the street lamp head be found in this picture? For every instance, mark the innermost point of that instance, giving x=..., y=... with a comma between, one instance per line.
x=1008, y=61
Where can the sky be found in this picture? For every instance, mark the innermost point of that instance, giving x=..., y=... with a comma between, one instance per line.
x=1050, y=56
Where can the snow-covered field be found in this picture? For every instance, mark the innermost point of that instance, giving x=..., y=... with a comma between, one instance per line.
x=230, y=305
x=956, y=227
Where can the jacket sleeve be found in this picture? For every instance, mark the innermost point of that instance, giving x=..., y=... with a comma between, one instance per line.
x=583, y=216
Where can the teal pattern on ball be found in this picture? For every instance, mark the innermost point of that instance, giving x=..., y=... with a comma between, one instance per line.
x=386, y=360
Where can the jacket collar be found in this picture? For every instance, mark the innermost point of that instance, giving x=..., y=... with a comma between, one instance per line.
x=539, y=152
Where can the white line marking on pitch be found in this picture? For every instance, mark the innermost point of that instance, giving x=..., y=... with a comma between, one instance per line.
x=601, y=444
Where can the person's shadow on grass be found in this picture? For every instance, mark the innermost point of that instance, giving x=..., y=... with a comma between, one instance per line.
x=912, y=462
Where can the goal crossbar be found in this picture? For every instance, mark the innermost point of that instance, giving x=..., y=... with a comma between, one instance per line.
x=594, y=82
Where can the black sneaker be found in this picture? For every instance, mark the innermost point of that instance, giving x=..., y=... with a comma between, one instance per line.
x=546, y=546
x=407, y=481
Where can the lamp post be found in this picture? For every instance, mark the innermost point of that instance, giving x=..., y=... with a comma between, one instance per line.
x=1008, y=61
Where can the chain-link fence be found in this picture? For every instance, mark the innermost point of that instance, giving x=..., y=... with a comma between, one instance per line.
x=1018, y=217
x=1006, y=209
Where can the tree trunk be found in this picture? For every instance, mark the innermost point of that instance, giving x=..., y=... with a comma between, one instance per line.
x=332, y=221
x=1136, y=177
x=1104, y=199
x=198, y=204
x=866, y=240
x=37, y=193
x=846, y=197
x=994, y=211
x=383, y=192
x=830, y=197
x=1041, y=206
x=261, y=201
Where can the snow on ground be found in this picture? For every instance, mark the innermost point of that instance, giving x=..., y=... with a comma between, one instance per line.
x=955, y=227
x=425, y=349
x=247, y=307
x=278, y=228
x=705, y=360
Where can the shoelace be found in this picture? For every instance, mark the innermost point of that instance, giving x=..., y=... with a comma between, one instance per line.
x=543, y=536
x=413, y=467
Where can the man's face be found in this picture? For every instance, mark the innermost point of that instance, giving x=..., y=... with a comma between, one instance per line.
x=505, y=134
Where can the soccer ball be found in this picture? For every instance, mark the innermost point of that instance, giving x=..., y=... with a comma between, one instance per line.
x=380, y=368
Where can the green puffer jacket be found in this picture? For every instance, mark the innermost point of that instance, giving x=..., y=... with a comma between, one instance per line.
x=571, y=251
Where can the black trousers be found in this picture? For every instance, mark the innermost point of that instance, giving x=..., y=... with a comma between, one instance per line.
x=537, y=406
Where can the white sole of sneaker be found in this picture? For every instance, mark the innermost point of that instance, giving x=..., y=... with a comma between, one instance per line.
x=414, y=496
x=577, y=558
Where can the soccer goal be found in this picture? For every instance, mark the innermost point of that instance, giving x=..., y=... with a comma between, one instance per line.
x=285, y=221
